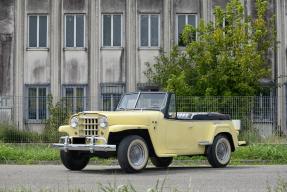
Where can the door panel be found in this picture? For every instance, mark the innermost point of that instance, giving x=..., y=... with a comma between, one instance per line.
x=182, y=136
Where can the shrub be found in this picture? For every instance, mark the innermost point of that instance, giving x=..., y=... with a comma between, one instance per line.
x=59, y=114
x=9, y=134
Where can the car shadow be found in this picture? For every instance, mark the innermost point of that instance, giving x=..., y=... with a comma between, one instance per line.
x=159, y=171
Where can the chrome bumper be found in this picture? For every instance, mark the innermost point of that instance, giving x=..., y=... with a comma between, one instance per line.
x=65, y=145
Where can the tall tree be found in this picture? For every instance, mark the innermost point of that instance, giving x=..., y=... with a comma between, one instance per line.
x=228, y=57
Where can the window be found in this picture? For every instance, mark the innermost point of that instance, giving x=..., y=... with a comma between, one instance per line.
x=75, y=31
x=37, y=103
x=112, y=30
x=182, y=20
x=38, y=31
x=172, y=107
x=147, y=87
x=149, y=30
x=75, y=98
x=111, y=94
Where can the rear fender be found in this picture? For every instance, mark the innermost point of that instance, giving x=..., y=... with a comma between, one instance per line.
x=221, y=129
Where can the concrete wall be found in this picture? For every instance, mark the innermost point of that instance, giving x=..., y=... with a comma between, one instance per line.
x=6, y=59
x=37, y=68
x=75, y=67
x=56, y=65
x=6, y=46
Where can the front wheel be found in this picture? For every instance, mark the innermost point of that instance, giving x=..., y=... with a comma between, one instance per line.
x=74, y=160
x=219, y=153
x=133, y=154
x=162, y=162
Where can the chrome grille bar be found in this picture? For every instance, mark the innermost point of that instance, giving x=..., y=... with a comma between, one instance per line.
x=89, y=126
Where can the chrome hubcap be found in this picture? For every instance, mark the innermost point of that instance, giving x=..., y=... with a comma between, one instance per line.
x=223, y=151
x=137, y=154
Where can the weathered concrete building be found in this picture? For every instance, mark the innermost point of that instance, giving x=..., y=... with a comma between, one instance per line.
x=94, y=50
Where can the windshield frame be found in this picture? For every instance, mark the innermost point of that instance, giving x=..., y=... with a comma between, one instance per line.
x=161, y=108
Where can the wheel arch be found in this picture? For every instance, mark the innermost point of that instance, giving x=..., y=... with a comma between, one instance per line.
x=230, y=139
x=116, y=137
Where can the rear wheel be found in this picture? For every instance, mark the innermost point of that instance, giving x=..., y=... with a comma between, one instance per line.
x=74, y=160
x=162, y=162
x=133, y=154
x=219, y=153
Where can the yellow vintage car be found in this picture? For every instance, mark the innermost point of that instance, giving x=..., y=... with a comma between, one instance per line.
x=147, y=125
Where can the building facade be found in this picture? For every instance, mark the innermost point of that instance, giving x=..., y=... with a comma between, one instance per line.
x=92, y=51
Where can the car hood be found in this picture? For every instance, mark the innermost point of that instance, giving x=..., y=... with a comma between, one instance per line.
x=136, y=117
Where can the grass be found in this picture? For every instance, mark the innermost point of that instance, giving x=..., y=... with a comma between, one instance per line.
x=38, y=153
x=272, y=153
x=27, y=153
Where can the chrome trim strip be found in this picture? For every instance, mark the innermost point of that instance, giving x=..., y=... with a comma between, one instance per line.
x=204, y=143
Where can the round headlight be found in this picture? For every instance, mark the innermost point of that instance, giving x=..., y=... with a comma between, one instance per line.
x=103, y=122
x=74, y=122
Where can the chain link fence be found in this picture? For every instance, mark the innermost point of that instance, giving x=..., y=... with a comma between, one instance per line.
x=41, y=117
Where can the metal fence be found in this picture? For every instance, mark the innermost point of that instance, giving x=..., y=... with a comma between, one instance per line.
x=258, y=114
x=36, y=119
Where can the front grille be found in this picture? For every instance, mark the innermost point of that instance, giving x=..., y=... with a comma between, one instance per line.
x=89, y=126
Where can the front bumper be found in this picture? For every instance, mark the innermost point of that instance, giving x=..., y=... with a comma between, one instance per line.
x=66, y=145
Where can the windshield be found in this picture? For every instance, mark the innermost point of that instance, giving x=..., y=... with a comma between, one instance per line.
x=154, y=101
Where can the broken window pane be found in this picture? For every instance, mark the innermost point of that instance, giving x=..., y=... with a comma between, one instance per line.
x=69, y=31
x=144, y=30
x=42, y=31
x=117, y=30
x=80, y=31
x=154, y=20
x=32, y=31
x=107, y=30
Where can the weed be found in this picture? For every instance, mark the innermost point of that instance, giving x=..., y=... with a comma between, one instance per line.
x=281, y=186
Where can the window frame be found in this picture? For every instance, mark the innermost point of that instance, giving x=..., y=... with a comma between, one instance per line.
x=114, y=91
x=47, y=32
x=112, y=30
x=74, y=97
x=186, y=22
x=75, y=30
x=112, y=98
x=149, y=29
x=46, y=87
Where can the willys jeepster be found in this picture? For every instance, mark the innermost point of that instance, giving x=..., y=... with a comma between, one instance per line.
x=147, y=125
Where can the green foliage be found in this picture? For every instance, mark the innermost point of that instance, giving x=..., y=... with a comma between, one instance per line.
x=9, y=134
x=34, y=153
x=58, y=115
x=262, y=152
x=27, y=153
x=228, y=58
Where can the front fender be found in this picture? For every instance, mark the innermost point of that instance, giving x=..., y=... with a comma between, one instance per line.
x=67, y=129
